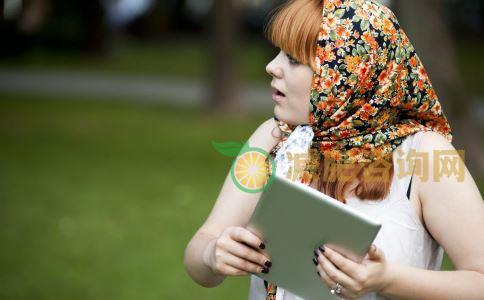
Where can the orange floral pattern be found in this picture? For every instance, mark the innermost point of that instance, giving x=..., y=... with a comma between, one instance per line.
x=370, y=90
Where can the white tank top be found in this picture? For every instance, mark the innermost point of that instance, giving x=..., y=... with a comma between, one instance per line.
x=403, y=238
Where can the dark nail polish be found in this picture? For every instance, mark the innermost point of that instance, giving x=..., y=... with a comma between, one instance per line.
x=315, y=261
x=318, y=274
x=321, y=248
x=262, y=245
x=268, y=263
x=316, y=253
x=265, y=270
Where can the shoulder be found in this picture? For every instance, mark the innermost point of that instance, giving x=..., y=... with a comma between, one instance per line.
x=431, y=141
x=449, y=197
x=438, y=156
x=442, y=167
x=270, y=125
x=423, y=146
x=266, y=136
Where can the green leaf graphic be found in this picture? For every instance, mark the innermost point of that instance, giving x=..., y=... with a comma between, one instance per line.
x=230, y=149
x=245, y=148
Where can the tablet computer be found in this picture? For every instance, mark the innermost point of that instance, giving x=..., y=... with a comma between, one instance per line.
x=293, y=220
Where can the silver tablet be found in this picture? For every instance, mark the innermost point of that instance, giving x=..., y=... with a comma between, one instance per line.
x=293, y=219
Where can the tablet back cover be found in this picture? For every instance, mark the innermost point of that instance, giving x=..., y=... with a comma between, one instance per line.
x=293, y=220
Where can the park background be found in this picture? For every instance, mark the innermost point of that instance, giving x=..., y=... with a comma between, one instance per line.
x=107, y=113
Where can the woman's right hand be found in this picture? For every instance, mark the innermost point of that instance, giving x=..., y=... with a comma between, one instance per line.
x=237, y=251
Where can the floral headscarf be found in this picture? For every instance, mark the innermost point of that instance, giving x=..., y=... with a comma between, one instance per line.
x=369, y=92
x=370, y=89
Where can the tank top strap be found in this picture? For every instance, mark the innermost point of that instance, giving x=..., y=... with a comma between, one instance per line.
x=405, y=159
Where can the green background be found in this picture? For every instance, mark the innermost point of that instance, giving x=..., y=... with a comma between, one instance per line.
x=98, y=199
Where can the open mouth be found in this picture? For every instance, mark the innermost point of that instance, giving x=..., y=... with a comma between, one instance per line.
x=277, y=92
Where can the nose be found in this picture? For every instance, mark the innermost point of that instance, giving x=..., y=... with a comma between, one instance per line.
x=273, y=69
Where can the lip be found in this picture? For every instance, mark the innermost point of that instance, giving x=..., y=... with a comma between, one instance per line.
x=276, y=97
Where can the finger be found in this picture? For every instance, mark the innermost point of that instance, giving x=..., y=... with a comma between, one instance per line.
x=324, y=277
x=242, y=264
x=232, y=271
x=342, y=263
x=264, y=252
x=330, y=283
x=248, y=253
x=376, y=253
x=334, y=273
x=241, y=234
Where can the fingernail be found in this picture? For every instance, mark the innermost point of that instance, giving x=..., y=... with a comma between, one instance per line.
x=318, y=274
x=262, y=245
x=265, y=270
x=268, y=263
x=316, y=253
x=321, y=248
x=315, y=261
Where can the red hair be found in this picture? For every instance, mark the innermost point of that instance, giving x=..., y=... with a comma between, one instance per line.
x=293, y=27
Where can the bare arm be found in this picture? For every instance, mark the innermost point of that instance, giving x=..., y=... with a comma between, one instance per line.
x=232, y=209
x=453, y=212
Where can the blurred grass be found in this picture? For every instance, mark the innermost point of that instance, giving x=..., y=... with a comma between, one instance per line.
x=99, y=199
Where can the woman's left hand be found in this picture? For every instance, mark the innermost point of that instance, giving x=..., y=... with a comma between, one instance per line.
x=356, y=279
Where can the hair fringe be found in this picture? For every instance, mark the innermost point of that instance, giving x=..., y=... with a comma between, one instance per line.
x=294, y=27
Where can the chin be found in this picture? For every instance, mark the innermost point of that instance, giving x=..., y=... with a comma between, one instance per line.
x=284, y=119
x=279, y=115
x=287, y=118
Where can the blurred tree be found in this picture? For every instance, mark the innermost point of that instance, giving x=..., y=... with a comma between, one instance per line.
x=149, y=24
x=224, y=94
x=35, y=14
x=427, y=27
x=76, y=25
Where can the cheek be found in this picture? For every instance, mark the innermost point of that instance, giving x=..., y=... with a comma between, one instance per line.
x=304, y=96
x=302, y=93
x=299, y=105
x=298, y=96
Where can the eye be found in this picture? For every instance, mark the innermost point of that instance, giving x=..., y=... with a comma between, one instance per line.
x=292, y=61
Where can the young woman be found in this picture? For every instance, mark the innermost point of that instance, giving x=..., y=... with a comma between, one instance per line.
x=349, y=86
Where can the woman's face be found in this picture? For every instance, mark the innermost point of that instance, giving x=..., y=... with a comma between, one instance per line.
x=293, y=80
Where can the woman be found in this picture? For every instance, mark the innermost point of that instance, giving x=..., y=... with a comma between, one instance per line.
x=370, y=101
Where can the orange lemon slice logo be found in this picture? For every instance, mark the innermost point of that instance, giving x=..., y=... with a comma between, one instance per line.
x=251, y=171
x=252, y=168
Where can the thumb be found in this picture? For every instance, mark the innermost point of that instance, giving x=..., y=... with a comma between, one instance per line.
x=375, y=253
